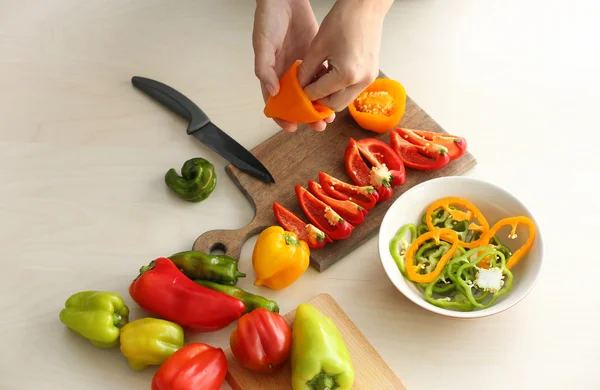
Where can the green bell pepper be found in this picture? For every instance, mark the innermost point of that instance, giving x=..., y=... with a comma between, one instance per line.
x=150, y=341
x=251, y=301
x=215, y=268
x=197, y=181
x=320, y=359
x=96, y=315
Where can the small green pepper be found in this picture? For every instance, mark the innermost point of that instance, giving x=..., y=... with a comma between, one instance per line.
x=216, y=268
x=250, y=300
x=97, y=316
x=197, y=181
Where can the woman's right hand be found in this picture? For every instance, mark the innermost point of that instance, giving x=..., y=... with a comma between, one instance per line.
x=283, y=33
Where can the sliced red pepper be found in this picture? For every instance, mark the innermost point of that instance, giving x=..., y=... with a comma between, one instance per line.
x=365, y=196
x=323, y=216
x=415, y=157
x=379, y=153
x=356, y=168
x=348, y=210
x=314, y=237
x=427, y=146
x=456, y=145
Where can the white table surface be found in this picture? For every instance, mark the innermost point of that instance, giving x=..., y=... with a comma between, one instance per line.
x=84, y=205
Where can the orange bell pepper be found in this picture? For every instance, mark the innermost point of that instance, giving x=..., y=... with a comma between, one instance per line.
x=292, y=104
x=380, y=106
x=411, y=270
x=513, y=222
x=279, y=258
x=459, y=215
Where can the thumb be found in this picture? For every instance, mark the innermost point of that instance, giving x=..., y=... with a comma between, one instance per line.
x=264, y=68
x=311, y=65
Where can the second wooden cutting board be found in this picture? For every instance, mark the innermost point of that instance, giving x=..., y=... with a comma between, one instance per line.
x=296, y=158
x=370, y=370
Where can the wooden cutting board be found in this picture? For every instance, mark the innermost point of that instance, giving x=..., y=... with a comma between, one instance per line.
x=370, y=370
x=295, y=158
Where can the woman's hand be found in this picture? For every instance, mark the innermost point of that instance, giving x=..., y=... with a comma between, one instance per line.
x=349, y=39
x=283, y=32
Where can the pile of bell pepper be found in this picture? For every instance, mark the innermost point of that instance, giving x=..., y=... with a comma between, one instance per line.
x=187, y=291
x=197, y=292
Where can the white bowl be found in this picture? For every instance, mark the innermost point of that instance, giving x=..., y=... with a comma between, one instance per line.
x=495, y=203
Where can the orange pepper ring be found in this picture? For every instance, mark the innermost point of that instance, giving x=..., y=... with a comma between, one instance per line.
x=513, y=222
x=445, y=202
x=411, y=269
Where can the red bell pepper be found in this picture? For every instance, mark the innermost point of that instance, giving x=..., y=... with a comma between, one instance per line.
x=454, y=146
x=309, y=233
x=417, y=157
x=348, y=210
x=378, y=153
x=356, y=168
x=262, y=341
x=162, y=289
x=323, y=216
x=195, y=366
x=365, y=197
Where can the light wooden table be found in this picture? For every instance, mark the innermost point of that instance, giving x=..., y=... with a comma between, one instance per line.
x=83, y=203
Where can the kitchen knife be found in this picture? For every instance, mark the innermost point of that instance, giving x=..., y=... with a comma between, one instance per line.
x=203, y=129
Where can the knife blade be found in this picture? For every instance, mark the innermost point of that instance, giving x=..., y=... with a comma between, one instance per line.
x=203, y=129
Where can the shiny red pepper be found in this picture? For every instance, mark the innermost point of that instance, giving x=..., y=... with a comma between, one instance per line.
x=365, y=197
x=306, y=232
x=162, y=289
x=323, y=216
x=378, y=153
x=348, y=210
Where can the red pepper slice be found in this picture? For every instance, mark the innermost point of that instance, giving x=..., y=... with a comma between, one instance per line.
x=456, y=145
x=163, y=290
x=323, y=216
x=378, y=153
x=308, y=233
x=365, y=196
x=415, y=157
x=356, y=168
x=348, y=210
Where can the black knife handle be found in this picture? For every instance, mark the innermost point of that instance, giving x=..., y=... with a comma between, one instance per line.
x=173, y=100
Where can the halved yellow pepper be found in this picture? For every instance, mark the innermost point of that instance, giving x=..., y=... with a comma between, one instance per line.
x=380, y=106
x=279, y=258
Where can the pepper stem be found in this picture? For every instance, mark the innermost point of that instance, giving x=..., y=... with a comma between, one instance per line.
x=117, y=320
x=291, y=240
x=321, y=381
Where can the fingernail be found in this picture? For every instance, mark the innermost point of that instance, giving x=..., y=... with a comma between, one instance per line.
x=271, y=89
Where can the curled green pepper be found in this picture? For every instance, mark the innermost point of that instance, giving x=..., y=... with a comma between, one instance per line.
x=197, y=181
x=251, y=301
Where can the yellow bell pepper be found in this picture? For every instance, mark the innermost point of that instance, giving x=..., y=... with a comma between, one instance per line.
x=279, y=258
x=150, y=341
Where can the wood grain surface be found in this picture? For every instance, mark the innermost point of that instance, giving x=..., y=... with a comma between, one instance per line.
x=370, y=370
x=295, y=158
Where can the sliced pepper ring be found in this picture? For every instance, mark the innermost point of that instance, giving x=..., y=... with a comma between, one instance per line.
x=513, y=222
x=437, y=235
x=458, y=215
